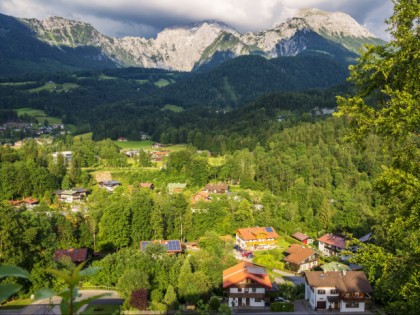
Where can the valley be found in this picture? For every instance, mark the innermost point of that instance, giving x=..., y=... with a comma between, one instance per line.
x=204, y=168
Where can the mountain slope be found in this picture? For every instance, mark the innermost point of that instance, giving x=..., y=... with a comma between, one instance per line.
x=244, y=78
x=22, y=52
x=198, y=46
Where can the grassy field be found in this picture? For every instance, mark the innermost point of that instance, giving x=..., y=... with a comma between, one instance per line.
x=147, y=146
x=17, y=83
x=84, y=136
x=135, y=145
x=39, y=114
x=106, y=77
x=106, y=309
x=173, y=108
x=162, y=82
x=142, y=81
x=216, y=161
x=51, y=87
x=16, y=304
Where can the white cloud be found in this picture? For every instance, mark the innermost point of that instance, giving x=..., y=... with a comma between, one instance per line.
x=146, y=17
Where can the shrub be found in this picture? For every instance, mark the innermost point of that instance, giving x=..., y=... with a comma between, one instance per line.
x=282, y=307
x=214, y=303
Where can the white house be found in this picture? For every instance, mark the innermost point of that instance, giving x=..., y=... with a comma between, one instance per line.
x=246, y=285
x=346, y=291
x=331, y=245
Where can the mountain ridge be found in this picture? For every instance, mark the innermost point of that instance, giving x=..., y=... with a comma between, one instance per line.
x=203, y=43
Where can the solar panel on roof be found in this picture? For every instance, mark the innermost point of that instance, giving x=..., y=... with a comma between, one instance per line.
x=174, y=245
x=143, y=245
x=269, y=229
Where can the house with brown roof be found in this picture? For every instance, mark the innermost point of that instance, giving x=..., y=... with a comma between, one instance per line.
x=28, y=202
x=331, y=245
x=172, y=246
x=300, y=258
x=256, y=237
x=301, y=237
x=346, y=291
x=246, y=285
x=77, y=255
x=217, y=188
x=200, y=196
x=71, y=195
x=176, y=188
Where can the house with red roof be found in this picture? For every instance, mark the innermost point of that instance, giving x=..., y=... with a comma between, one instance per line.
x=300, y=258
x=246, y=285
x=256, y=238
x=331, y=245
x=77, y=255
x=305, y=239
x=200, y=196
x=343, y=291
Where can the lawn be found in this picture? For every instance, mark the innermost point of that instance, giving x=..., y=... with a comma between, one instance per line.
x=147, y=146
x=162, y=82
x=84, y=136
x=16, y=304
x=106, y=77
x=51, y=86
x=173, y=108
x=135, y=145
x=17, y=83
x=39, y=114
x=106, y=309
x=216, y=161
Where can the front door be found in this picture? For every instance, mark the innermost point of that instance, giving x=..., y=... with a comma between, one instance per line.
x=321, y=305
x=247, y=301
x=239, y=301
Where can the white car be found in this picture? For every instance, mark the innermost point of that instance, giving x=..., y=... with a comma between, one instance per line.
x=280, y=299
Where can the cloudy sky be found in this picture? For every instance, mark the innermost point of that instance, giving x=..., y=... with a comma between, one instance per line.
x=147, y=17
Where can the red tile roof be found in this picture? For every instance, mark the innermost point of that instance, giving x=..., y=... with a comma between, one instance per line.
x=298, y=254
x=300, y=236
x=245, y=270
x=77, y=255
x=146, y=185
x=334, y=240
x=254, y=233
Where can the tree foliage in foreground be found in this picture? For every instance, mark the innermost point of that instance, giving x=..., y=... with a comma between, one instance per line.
x=388, y=104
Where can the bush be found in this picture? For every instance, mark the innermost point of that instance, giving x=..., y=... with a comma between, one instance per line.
x=214, y=303
x=282, y=307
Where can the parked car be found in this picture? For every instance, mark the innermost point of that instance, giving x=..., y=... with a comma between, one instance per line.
x=280, y=299
x=247, y=254
x=237, y=247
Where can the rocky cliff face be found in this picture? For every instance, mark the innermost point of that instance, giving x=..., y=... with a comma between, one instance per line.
x=188, y=47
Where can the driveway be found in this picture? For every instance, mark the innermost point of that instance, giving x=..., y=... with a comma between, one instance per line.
x=290, y=277
x=47, y=307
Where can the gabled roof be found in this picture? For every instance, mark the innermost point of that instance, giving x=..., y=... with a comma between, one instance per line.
x=76, y=255
x=172, y=246
x=146, y=185
x=251, y=233
x=347, y=281
x=298, y=254
x=31, y=200
x=245, y=270
x=300, y=236
x=334, y=240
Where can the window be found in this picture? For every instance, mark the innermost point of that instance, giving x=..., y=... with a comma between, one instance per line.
x=352, y=305
x=356, y=294
x=334, y=291
x=321, y=291
x=254, y=290
x=239, y=289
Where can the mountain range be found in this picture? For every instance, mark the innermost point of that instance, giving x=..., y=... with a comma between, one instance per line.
x=68, y=44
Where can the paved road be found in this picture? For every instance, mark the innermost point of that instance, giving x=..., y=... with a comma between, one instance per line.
x=45, y=307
